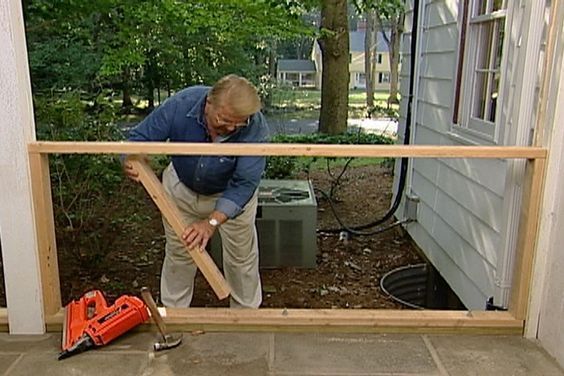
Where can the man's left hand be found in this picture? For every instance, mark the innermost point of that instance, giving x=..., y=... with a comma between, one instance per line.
x=197, y=235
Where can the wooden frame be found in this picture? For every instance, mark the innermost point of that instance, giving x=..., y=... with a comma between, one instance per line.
x=299, y=319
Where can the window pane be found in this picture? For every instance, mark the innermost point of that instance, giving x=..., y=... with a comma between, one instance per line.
x=493, y=97
x=361, y=78
x=486, y=92
x=485, y=38
x=481, y=7
x=383, y=77
x=499, y=42
x=480, y=94
x=498, y=4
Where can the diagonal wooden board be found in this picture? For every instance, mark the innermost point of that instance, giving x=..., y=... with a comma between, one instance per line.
x=171, y=213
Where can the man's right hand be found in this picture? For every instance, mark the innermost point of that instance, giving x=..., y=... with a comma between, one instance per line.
x=130, y=171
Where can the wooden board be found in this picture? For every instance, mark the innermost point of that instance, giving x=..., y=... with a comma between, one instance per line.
x=171, y=213
x=324, y=150
x=45, y=230
x=331, y=320
x=527, y=238
x=4, y=320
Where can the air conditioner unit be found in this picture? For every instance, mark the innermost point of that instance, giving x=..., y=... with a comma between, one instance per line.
x=286, y=225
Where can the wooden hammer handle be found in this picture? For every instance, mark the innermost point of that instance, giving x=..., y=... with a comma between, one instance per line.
x=155, y=314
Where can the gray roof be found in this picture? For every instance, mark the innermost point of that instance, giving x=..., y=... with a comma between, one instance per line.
x=295, y=65
x=357, y=42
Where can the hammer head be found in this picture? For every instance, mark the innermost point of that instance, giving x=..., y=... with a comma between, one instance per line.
x=168, y=342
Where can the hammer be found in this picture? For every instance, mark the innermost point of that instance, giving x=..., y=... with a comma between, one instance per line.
x=168, y=341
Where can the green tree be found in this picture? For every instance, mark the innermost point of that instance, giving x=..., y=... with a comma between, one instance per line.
x=300, y=46
x=61, y=54
x=146, y=45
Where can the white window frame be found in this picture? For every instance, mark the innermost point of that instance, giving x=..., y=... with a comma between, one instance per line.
x=360, y=79
x=468, y=126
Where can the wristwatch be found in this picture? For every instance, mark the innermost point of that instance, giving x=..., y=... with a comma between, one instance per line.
x=214, y=222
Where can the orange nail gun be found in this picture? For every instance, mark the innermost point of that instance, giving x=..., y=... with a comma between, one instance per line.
x=89, y=322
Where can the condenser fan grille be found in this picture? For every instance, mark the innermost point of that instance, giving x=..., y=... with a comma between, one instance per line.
x=281, y=195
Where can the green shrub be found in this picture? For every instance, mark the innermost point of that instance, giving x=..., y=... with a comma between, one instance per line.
x=82, y=185
x=380, y=111
x=281, y=167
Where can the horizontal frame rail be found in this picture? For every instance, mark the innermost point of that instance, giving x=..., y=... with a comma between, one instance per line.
x=332, y=320
x=318, y=150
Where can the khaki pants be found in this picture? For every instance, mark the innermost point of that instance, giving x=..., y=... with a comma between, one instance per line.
x=240, y=249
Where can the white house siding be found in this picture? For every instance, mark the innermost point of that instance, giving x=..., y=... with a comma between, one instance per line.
x=461, y=200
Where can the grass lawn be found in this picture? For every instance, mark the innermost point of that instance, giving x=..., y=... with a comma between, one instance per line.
x=299, y=104
x=300, y=98
x=305, y=104
x=290, y=167
x=320, y=163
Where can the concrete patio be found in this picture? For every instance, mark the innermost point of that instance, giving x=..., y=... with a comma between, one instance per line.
x=242, y=353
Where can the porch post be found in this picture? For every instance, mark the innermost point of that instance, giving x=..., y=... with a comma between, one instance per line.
x=17, y=228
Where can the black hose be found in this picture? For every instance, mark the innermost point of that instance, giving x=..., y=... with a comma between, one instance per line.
x=406, y=136
x=346, y=231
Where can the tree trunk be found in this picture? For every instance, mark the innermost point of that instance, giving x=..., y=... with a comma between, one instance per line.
x=272, y=74
x=159, y=91
x=369, y=59
x=150, y=96
x=393, y=42
x=394, y=59
x=150, y=75
x=334, y=45
x=126, y=103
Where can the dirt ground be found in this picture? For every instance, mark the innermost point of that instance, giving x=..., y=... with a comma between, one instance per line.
x=130, y=252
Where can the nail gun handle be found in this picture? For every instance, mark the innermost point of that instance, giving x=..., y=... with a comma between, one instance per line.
x=155, y=314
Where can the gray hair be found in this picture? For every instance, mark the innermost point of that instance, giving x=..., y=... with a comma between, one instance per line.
x=236, y=92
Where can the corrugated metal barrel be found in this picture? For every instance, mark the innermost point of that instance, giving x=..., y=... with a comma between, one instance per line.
x=407, y=285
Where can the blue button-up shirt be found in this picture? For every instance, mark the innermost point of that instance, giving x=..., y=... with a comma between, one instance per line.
x=181, y=119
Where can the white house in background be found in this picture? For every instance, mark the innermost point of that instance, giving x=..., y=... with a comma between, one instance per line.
x=478, y=78
x=296, y=73
x=356, y=62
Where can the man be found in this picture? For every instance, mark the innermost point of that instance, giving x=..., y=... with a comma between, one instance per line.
x=213, y=193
